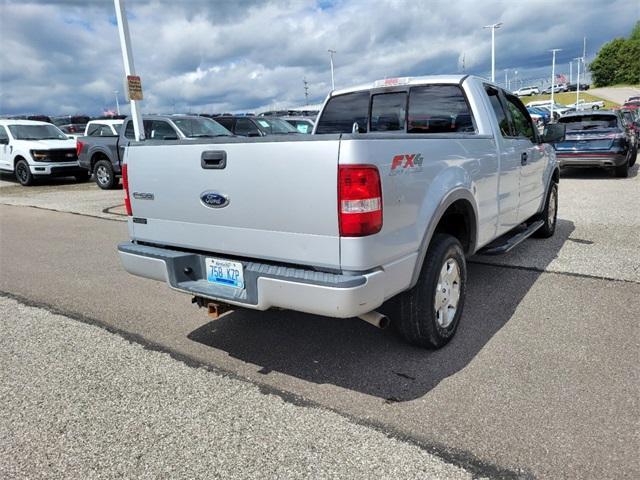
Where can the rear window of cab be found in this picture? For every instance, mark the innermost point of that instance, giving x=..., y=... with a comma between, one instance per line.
x=428, y=109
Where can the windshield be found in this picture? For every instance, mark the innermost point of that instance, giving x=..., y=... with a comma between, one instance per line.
x=590, y=122
x=200, y=127
x=36, y=132
x=275, y=126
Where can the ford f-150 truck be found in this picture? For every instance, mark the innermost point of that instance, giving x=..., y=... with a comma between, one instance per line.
x=400, y=181
x=31, y=149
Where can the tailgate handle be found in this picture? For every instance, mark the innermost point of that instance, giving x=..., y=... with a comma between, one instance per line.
x=213, y=159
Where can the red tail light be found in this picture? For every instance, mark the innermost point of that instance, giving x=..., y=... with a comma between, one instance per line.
x=125, y=185
x=79, y=147
x=359, y=200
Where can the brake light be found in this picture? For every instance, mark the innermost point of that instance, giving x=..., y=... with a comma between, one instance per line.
x=79, y=147
x=125, y=185
x=359, y=200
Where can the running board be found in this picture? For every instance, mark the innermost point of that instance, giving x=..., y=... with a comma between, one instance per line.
x=505, y=244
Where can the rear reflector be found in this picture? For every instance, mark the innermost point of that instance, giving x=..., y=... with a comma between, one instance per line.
x=125, y=185
x=359, y=200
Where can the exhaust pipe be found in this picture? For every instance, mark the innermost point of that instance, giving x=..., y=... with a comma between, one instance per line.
x=376, y=319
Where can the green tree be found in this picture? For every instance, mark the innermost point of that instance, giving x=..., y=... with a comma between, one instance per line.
x=618, y=61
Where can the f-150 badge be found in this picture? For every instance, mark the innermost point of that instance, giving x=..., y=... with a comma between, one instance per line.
x=406, y=163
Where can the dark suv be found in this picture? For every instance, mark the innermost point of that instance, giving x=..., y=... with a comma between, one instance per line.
x=246, y=126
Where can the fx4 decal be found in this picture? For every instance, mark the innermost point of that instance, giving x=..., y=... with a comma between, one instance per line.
x=407, y=163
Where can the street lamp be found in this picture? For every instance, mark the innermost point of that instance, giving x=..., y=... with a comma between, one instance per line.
x=493, y=48
x=553, y=76
x=117, y=104
x=333, y=85
x=578, y=59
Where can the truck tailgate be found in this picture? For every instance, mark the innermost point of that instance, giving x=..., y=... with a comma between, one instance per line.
x=282, y=198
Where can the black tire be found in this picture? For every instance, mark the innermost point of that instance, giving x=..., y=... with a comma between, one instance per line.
x=83, y=177
x=634, y=156
x=23, y=174
x=417, y=319
x=549, y=214
x=105, y=176
x=623, y=170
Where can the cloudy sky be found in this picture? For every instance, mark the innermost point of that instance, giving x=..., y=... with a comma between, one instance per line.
x=243, y=55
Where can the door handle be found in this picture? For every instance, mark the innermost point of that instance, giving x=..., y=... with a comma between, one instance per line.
x=523, y=158
x=213, y=160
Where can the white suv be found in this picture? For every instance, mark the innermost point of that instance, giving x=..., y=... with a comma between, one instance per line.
x=526, y=91
x=31, y=149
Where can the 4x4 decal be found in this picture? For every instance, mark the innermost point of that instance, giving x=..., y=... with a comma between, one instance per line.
x=406, y=163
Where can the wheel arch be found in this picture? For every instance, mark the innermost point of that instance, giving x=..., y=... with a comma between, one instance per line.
x=98, y=155
x=459, y=203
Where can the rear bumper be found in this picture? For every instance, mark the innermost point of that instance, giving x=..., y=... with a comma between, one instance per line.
x=266, y=285
x=591, y=159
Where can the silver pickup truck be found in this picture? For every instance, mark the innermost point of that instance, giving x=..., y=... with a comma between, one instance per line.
x=400, y=181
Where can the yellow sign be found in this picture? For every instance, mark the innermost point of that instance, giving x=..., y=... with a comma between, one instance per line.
x=134, y=87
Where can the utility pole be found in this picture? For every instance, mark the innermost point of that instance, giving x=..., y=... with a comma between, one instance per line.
x=553, y=77
x=117, y=104
x=506, y=79
x=463, y=69
x=333, y=84
x=493, y=48
x=306, y=91
x=129, y=69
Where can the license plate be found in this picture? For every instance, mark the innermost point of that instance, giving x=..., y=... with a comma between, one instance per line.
x=225, y=272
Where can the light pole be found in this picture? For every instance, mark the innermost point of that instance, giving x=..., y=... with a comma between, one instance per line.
x=553, y=76
x=578, y=59
x=506, y=79
x=493, y=48
x=129, y=70
x=117, y=104
x=333, y=84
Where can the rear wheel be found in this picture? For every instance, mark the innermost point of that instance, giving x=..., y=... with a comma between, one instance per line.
x=105, y=176
x=623, y=170
x=23, y=173
x=429, y=313
x=549, y=215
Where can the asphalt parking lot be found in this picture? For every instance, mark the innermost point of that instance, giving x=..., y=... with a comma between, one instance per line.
x=541, y=380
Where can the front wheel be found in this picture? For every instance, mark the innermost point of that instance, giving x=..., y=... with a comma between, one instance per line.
x=23, y=173
x=549, y=214
x=429, y=313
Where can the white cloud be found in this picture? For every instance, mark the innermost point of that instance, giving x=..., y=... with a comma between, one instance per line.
x=64, y=57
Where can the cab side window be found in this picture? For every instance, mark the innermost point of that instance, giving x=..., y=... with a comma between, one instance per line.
x=246, y=127
x=498, y=110
x=128, y=131
x=520, y=118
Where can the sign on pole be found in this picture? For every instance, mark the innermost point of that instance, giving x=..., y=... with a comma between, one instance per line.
x=133, y=84
x=134, y=87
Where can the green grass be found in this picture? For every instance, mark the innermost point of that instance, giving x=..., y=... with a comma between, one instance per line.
x=567, y=98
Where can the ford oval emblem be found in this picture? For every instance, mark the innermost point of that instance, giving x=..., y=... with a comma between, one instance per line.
x=214, y=200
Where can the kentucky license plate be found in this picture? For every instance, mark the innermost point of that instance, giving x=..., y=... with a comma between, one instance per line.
x=225, y=272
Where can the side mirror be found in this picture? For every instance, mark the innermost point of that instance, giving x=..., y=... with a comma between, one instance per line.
x=253, y=134
x=170, y=137
x=554, y=133
x=4, y=141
